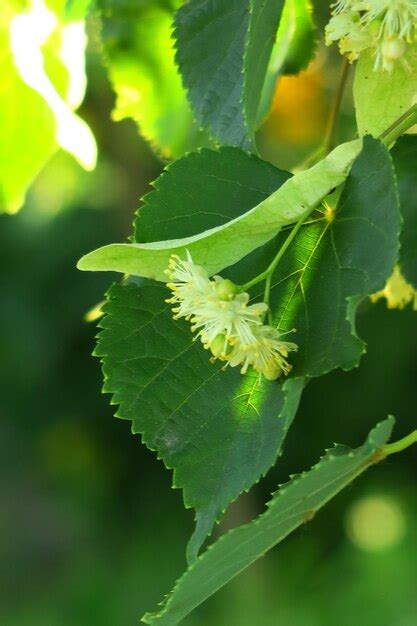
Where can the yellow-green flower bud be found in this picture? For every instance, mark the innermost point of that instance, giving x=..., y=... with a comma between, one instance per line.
x=218, y=346
x=272, y=373
x=393, y=49
x=226, y=289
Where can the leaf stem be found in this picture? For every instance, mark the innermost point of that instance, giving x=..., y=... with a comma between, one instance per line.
x=330, y=133
x=397, y=128
x=400, y=445
x=329, y=140
x=267, y=274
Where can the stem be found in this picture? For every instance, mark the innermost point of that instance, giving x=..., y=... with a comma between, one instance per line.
x=330, y=134
x=329, y=142
x=267, y=274
x=397, y=128
x=400, y=445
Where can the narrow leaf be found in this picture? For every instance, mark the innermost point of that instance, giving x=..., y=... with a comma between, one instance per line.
x=294, y=504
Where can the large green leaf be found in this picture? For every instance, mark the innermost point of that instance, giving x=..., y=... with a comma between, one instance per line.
x=220, y=431
x=138, y=49
x=294, y=504
x=404, y=155
x=224, y=245
x=345, y=254
x=42, y=82
x=223, y=51
x=382, y=97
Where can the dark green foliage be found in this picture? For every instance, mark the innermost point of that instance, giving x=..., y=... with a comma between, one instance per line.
x=220, y=431
x=223, y=51
x=336, y=258
x=404, y=155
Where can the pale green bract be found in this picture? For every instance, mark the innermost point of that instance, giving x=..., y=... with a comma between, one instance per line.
x=382, y=97
x=224, y=245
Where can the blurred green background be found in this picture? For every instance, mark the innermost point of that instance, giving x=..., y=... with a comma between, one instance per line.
x=91, y=532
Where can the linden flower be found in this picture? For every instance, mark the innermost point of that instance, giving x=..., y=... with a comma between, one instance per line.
x=267, y=354
x=190, y=285
x=385, y=27
x=398, y=292
x=227, y=325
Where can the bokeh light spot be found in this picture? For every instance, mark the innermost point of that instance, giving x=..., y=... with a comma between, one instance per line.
x=376, y=523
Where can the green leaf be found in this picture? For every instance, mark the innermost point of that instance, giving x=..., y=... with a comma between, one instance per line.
x=224, y=245
x=25, y=120
x=28, y=62
x=220, y=431
x=293, y=49
x=340, y=256
x=138, y=50
x=223, y=51
x=382, y=97
x=404, y=155
x=294, y=504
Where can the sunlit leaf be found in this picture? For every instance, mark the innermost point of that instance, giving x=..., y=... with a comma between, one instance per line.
x=382, y=97
x=138, y=49
x=41, y=61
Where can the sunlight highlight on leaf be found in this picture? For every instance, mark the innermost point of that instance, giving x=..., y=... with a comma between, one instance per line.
x=28, y=33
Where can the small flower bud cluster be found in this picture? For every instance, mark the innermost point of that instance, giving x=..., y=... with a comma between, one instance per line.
x=226, y=324
x=386, y=27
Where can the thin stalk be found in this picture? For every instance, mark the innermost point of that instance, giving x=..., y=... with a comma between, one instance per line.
x=400, y=445
x=397, y=128
x=329, y=140
x=272, y=266
x=330, y=133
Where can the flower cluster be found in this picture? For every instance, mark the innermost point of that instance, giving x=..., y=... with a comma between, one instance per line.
x=397, y=292
x=226, y=324
x=385, y=27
